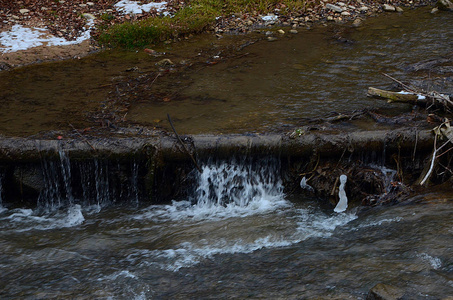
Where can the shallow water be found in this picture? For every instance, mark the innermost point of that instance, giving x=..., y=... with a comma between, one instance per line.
x=266, y=87
x=257, y=243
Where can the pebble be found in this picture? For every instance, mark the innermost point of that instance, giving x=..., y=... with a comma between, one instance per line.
x=271, y=38
x=82, y=5
x=281, y=31
x=268, y=33
x=90, y=3
x=388, y=7
x=24, y=10
x=345, y=13
x=399, y=9
x=15, y=17
x=434, y=10
x=357, y=22
x=88, y=16
x=334, y=8
x=363, y=8
x=293, y=31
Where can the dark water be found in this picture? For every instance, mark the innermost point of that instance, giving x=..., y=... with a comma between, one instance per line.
x=238, y=236
x=267, y=86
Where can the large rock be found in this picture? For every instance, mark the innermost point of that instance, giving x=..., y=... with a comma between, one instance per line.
x=445, y=5
x=384, y=292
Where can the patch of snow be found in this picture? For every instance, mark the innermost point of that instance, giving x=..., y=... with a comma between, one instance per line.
x=403, y=93
x=269, y=18
x=420, y=97
x=132, y=7
x=23, y=38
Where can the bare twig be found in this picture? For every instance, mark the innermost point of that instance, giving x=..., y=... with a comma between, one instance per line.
x=83, y=138
x=182, y=143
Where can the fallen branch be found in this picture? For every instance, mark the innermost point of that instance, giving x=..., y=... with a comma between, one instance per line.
x=183, y=145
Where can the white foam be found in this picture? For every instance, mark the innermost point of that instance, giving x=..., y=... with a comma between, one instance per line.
x=133, y=7
x=23, y=38
x=435, y=262
x=116, y=275
x=21, y=220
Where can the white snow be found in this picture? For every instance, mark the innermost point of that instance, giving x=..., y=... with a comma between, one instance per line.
x=132, y=7
x=269, y=18
x=23, y=38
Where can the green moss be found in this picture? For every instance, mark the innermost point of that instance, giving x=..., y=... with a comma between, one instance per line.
x=196, y=16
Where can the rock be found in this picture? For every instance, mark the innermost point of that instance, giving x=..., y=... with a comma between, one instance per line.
x=88, y=16
x=164, y=62
x=281, y=31
x=363, y=9
x=434, y=10
x=384, y=292
x=334, y=8
x=293, y=31
x=357, y=22
x=269, y=33
x=24, y=11
x=90, y=3
x=399, y=9
x=445, y=5
x=388, y=7
x=330, y=18
x=271, y=38
x=345, y=13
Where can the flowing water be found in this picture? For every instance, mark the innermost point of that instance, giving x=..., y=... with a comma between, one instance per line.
x=237, y=236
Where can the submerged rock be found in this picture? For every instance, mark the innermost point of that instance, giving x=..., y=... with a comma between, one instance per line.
x=384, y=292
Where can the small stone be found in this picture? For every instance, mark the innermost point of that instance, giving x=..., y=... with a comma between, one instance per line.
x=293, y=31
x=351, y=7
x=399, y=9
x=388, y=7
x=281, y=31
x=24, y=10
x=334, y=8
x=363, y=9
x=434, y=10
x=341, y=4
x=271, y=38
x=88, y=16
x=61, y=1
x=269, y=33
x=90, y=3
x=345, y=13
x=44, y=8
x=329, y=18
x=249, y=22
x=15, y=17
x=164, y=62
x=82, y=5
x=357, y=22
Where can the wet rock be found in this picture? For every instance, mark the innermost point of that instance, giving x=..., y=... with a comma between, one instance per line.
x=164, y=63
x=281, y=31
x=434, y=10
x=399, y=9
x=271, y=38
x=334, y=8
x=384, y=292
x=363, y=9
x=345, y=13
x=293, y=31
x=445, y=5
x=357, y=22
x=388, y=7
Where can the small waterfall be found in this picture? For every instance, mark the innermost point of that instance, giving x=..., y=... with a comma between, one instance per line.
x=238, y=183
x=92, y=182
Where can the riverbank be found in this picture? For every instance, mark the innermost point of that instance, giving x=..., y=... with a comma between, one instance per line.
x=73, y=29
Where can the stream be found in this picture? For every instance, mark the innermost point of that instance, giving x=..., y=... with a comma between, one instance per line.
x=237, y=234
